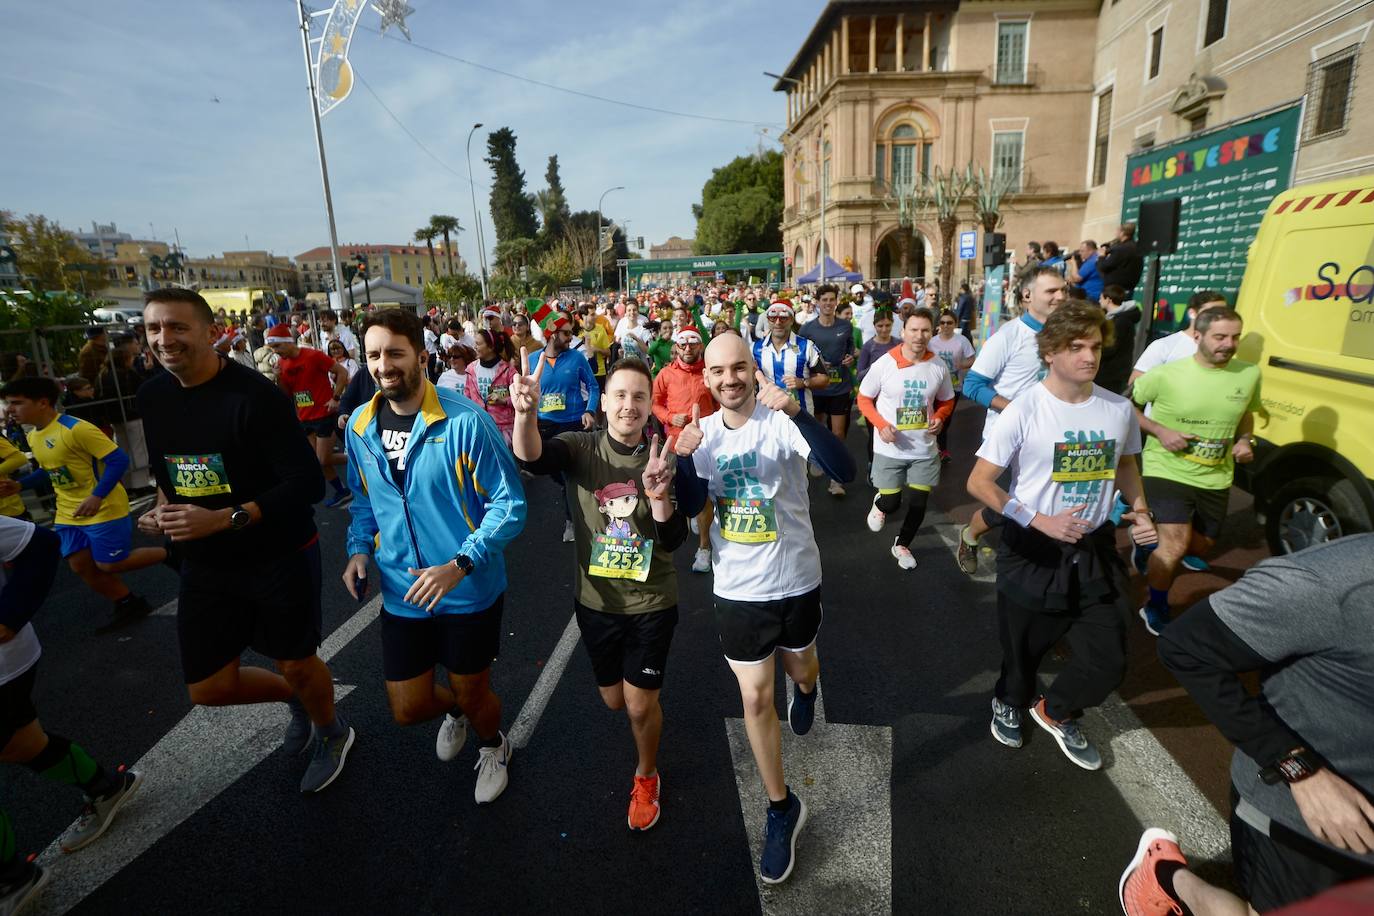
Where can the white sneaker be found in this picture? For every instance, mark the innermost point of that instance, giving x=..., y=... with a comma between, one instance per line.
x=491, y=771
x=568, y=535
x=877, y=518
x=814, y=469
x=836, y=488
x=692, y=525
x=702, y=561
x=904, y=558
x=452, y=735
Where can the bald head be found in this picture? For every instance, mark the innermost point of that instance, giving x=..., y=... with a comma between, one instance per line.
x=730, y=372
x=727, y=349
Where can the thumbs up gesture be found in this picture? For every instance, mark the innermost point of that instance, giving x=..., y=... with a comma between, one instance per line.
x=690, y=435
x=775, y=398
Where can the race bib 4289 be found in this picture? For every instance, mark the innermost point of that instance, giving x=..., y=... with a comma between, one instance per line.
x=197, y=475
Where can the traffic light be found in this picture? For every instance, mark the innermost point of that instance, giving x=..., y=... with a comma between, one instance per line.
x=524, y=274
x=639, y=243
x=994, y=249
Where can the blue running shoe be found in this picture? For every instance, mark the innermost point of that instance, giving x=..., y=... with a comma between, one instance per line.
x=801, y=709
x=1155, y=619
x=780, y=840
x=1196, y=564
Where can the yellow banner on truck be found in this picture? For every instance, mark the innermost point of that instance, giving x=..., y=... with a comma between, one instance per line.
x=241, y=299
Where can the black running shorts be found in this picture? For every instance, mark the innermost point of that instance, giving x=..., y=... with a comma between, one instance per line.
x=751, y=630
x=627, y=647
x=16, y=704
x=1175, y=503
x=462, y=643
x=833, y=405
x=274, y=609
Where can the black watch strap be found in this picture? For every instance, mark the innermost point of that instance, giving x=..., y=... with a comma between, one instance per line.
x=464, y=563
x=1295, y=766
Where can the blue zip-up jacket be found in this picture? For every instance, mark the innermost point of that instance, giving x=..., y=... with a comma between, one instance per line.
x=564, y=378
x=462, y=495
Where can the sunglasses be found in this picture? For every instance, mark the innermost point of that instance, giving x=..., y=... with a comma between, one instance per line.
x=946, y=323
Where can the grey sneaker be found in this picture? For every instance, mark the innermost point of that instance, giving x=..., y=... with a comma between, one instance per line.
x=99, y=812
x=327, y=761
x=1070, y=737
x=297, y=734
x=966, y=556
x=1006, y=723
x=452, y=735
x=17, y=894
x=492, y=778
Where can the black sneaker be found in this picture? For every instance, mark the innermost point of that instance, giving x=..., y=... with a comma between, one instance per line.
x=16, y=894
x=128, y=610
x=780, y=840
x=801, y=709
x=298, y=730
x=967, y=556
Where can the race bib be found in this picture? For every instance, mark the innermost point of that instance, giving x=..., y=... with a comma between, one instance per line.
x=197, y=475
x=620, y=558
x=1095, y=460
x=836, y=375
x=498, y=391
x=304, y=399
x=912, y=418
x=748, y=521
x=551, y=403
x=1207, y=452
x=60, y=476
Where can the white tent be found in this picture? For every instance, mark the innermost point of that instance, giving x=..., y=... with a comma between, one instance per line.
x=387, y=291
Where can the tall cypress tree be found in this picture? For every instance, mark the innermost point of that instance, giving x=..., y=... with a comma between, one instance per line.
x=512, y=211
x=556, y=210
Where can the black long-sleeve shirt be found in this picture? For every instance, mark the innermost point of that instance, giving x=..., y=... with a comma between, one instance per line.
x=233, y=440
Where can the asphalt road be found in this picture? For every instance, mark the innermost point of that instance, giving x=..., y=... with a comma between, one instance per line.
x=975, y=827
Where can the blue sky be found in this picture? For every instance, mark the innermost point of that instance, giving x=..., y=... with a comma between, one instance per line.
x=110, y=115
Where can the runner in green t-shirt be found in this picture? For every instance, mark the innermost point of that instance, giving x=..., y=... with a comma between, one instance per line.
x=1201, y=413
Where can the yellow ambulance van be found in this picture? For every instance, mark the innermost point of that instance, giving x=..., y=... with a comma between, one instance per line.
x=1308, y=303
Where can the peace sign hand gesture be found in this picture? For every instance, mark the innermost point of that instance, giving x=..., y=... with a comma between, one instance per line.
x=690, y=436
x=775, y=398
x=657, y=473
x=524, y=387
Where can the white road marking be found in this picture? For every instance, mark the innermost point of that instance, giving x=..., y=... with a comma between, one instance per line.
x=523, y=728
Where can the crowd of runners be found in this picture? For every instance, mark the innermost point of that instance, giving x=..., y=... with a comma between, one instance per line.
x=696, y=416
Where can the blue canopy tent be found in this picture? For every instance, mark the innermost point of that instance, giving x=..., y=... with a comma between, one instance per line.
x=833, y=272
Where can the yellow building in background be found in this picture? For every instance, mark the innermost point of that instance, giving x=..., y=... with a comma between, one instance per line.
x=405, y=264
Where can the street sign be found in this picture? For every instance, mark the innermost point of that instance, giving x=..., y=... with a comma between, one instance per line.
x=967, y=242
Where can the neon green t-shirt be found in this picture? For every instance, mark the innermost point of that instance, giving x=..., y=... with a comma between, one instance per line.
x=1206, y=403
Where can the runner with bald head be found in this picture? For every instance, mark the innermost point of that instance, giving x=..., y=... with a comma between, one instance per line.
x=752, y=455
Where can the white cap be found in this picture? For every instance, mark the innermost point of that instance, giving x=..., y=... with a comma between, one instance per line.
x=857, y=289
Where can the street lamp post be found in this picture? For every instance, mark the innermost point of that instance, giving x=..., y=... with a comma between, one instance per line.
x=598, y=231
x=477, y=217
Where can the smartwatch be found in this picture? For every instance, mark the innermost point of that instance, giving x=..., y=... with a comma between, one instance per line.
x=464, y=563
x=239, y=519
x=1295, y=766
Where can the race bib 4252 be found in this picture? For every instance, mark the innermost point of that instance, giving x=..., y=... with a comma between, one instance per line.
x=197, y=475
x=620, y=558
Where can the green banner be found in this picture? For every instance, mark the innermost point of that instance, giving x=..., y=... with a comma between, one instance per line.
x=1225, y=179
x=640, y=267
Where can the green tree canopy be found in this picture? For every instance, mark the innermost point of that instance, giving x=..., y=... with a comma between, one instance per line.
x=50, y=259
x=553, y=204
x=512, y=210
x=741, y=207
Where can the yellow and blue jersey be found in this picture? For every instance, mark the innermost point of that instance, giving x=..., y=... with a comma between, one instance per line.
x=11, y=460
x=72, y=451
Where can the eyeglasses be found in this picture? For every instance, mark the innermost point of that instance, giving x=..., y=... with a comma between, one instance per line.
x=946, y=323
x=779, y=317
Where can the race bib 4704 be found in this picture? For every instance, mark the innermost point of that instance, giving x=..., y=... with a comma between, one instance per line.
x=197, y=475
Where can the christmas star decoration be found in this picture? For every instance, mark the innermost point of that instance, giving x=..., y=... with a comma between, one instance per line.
x=394, y=12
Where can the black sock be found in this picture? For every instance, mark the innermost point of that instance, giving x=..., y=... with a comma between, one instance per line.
x=64, y=762
x=494, y=741
x=915, y=514
x=781, y=805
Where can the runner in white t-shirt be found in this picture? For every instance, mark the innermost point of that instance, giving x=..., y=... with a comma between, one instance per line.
x=1070, y=446
x=956, y=351
x=752, y=454
x=907, y=397
x=791, y=362
x=1182, y=343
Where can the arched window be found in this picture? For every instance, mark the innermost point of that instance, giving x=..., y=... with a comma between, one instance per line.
x=902, y=151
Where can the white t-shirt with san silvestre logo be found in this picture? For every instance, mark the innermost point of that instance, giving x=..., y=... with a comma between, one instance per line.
x=905, y=394
x=1011, y=359
x=1063, y=455
x=22, y=652
x=761, y=537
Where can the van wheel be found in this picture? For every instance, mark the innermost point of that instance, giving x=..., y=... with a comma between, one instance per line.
x=1313, y=510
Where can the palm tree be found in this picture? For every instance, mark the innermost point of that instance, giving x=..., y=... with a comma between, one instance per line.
x=939, y=195
x=428, y=234
x=444, y=225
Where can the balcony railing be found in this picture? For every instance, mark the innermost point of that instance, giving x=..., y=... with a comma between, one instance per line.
x=1030, y=76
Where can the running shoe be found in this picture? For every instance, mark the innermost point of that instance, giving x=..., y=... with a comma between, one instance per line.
x=1196, y=564
x=903, y=554
x=966, y=554
x=340, y=499
x=327, y=761
x=702, y=561
x=568, y=535
x=1069, y=736
x=780, y=840
x=836, y=488
x=17, y=894
x=98, y=813
x=452, y=734
x=1006, y=723
x=644, y=806
x=692, y=525
x=127, y=611
x=801, y=709
x=298, y=730
x=877, y=518
x=1140, y=892
x=814, y=469
x=1155, y=619
x=492, y=763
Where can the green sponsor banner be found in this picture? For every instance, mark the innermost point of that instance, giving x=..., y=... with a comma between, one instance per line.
x=771, y=261
x=1225, y=180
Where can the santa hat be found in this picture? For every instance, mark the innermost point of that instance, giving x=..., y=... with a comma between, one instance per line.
x=687, y=335
x=908, y=291
x=781, y=307
x=278, y=333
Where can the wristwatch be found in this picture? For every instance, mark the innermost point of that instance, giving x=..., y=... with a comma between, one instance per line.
x=239, y=519
x=464, y=563
x=1295, y=766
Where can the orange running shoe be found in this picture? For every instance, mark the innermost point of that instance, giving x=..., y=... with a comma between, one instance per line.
x=1140, y=892
x=644, y=807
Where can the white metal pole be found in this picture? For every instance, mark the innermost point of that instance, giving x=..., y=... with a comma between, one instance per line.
x=477, y=217
x=319, y=148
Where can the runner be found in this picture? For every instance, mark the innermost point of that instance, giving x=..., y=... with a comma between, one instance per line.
x=569, y=392
x=873, y=348
x=315, y=382
x=625, y=590
x=680, y=395
x=834, y=338
x=236, y=480
x=488, y=379
x=436, y=485
x=907, y=397
x=957, y=353
x=1008, y=365
x=92, y=517
x=1070, y=446
x=1200, y=419
x=792, y=363
x=767, y=567
x=1182, y=343
x=12, y=461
